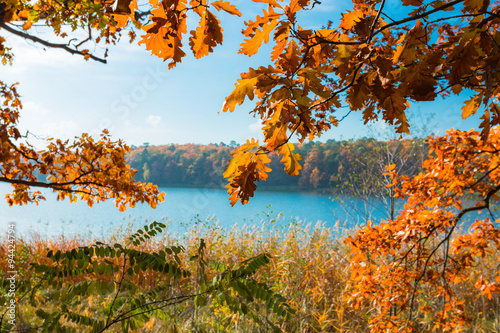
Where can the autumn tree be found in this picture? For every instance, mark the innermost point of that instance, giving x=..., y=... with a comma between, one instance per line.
x=412, y=267
x=93, y=169
x=371, y=61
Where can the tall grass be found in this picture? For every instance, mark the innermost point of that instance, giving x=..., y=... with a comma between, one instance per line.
x=310, y=267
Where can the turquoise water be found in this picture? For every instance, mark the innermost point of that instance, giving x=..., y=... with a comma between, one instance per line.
x=182, y=206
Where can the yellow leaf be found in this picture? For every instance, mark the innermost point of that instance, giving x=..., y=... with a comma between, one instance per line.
x=27, y=25
x=470, y=107
x=290, y=159
x=272, y=3
x=244, y=88
x=251, y=46
x=227, y=7
x=240, y=157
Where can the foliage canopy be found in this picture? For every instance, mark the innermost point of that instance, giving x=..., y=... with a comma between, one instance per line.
x=381, y=63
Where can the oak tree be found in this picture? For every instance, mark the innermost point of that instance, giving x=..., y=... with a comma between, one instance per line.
x=91, y=169
x=371, y=61
x=413, y=266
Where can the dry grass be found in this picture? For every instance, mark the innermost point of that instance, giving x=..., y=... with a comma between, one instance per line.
x=310, y=267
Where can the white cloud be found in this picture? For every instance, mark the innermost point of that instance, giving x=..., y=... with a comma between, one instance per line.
x=31, y=109
x=33, y=118
x=28, y=54
x=64, y=129
x=153, y=120
x=42, y=122
x=256, y=127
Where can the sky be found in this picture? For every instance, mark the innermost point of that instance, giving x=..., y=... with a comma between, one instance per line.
x=139, y=100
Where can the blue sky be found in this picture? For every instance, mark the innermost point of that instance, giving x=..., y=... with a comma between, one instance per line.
x=139, y=100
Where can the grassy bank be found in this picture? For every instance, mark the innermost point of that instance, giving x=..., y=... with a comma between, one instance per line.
x=309, y=267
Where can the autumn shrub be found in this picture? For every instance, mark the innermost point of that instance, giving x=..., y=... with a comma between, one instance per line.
x=418, y=270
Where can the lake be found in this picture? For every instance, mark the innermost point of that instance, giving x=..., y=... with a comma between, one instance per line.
x=182, y=206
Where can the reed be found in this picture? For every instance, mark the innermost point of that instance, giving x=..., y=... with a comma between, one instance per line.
x=310, y=267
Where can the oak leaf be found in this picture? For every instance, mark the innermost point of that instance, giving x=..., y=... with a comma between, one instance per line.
x=350, y=19
x=251, y=46
x=290, y=159
x=470, y=106
x=206, y=36
x=226, y=6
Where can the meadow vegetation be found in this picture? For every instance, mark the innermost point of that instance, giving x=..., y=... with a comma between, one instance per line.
x=309, y=266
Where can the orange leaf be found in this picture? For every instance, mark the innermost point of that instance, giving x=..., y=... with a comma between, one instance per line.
x=272, y=3
x=245, y=87
x=470, y=107
x=27, y=25
x=227, y=7
x=290, y=159
x=206, y=36
x=251, y=46
x=281, y=37
x=349, y=19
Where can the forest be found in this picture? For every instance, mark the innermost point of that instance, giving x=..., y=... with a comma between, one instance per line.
x=330, y=166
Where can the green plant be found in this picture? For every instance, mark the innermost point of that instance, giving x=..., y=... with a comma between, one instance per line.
x=98, y=288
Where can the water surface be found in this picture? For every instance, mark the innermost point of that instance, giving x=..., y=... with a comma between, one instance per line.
x=182, y=206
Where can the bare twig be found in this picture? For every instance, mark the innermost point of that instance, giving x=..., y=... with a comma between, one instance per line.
x=35, y=39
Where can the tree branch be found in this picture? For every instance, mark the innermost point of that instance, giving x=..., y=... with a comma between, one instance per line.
x=374, y=24
x=35, y=39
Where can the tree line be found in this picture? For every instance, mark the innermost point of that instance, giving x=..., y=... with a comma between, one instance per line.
x=337, y=165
